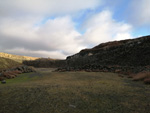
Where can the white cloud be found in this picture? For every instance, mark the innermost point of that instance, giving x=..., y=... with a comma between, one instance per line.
x=50, y=54
x=45, y=7
x=139, y=12
x=61, y=34
x=19, y=27
x=57, y=38
x=51, y=37
x=102, y=27
x=23, y=31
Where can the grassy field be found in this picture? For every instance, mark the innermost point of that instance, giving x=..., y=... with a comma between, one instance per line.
x=73, y=92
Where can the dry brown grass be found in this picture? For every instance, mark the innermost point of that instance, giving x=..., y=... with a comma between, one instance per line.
x=11, y=74
x=141, y=76
x=8, y=75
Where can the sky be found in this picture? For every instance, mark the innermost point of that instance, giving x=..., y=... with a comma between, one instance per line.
x=60, y=28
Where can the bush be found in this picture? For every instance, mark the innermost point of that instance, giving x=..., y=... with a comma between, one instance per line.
x=141, y=76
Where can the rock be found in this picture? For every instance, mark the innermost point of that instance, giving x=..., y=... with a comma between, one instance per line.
x=73, y=106
x=3, y=82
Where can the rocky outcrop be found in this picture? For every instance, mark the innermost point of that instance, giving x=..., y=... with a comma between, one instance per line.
x=125, y=56
x=126, y=70
x=126, y=53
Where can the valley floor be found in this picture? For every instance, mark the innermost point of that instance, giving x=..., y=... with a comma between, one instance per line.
x=73, y=92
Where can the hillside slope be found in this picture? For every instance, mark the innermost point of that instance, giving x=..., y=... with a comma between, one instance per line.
x=132, y=52
x=45, y=63
x=17, y=58
x=6, y=63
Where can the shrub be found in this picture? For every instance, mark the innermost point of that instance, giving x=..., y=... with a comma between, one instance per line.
x=141, y=76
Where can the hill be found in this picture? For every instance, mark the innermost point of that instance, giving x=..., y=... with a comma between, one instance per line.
x=6, y=63
x=125, y=56
x=45, y=63
x=132, y=52
x=17, y=58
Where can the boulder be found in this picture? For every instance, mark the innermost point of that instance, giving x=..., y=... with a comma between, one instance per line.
x=3, y=82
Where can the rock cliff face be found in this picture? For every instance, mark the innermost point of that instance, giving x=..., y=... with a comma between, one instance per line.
x=132, y=52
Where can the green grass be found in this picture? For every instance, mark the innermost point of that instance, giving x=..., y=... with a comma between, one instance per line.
x=73, y=92
x=23, y=78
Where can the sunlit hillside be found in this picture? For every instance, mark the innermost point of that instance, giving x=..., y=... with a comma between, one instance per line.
x=17, y=58
x=6, y=63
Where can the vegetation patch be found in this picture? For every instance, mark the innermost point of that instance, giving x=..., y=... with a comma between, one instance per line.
x=142, y=76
